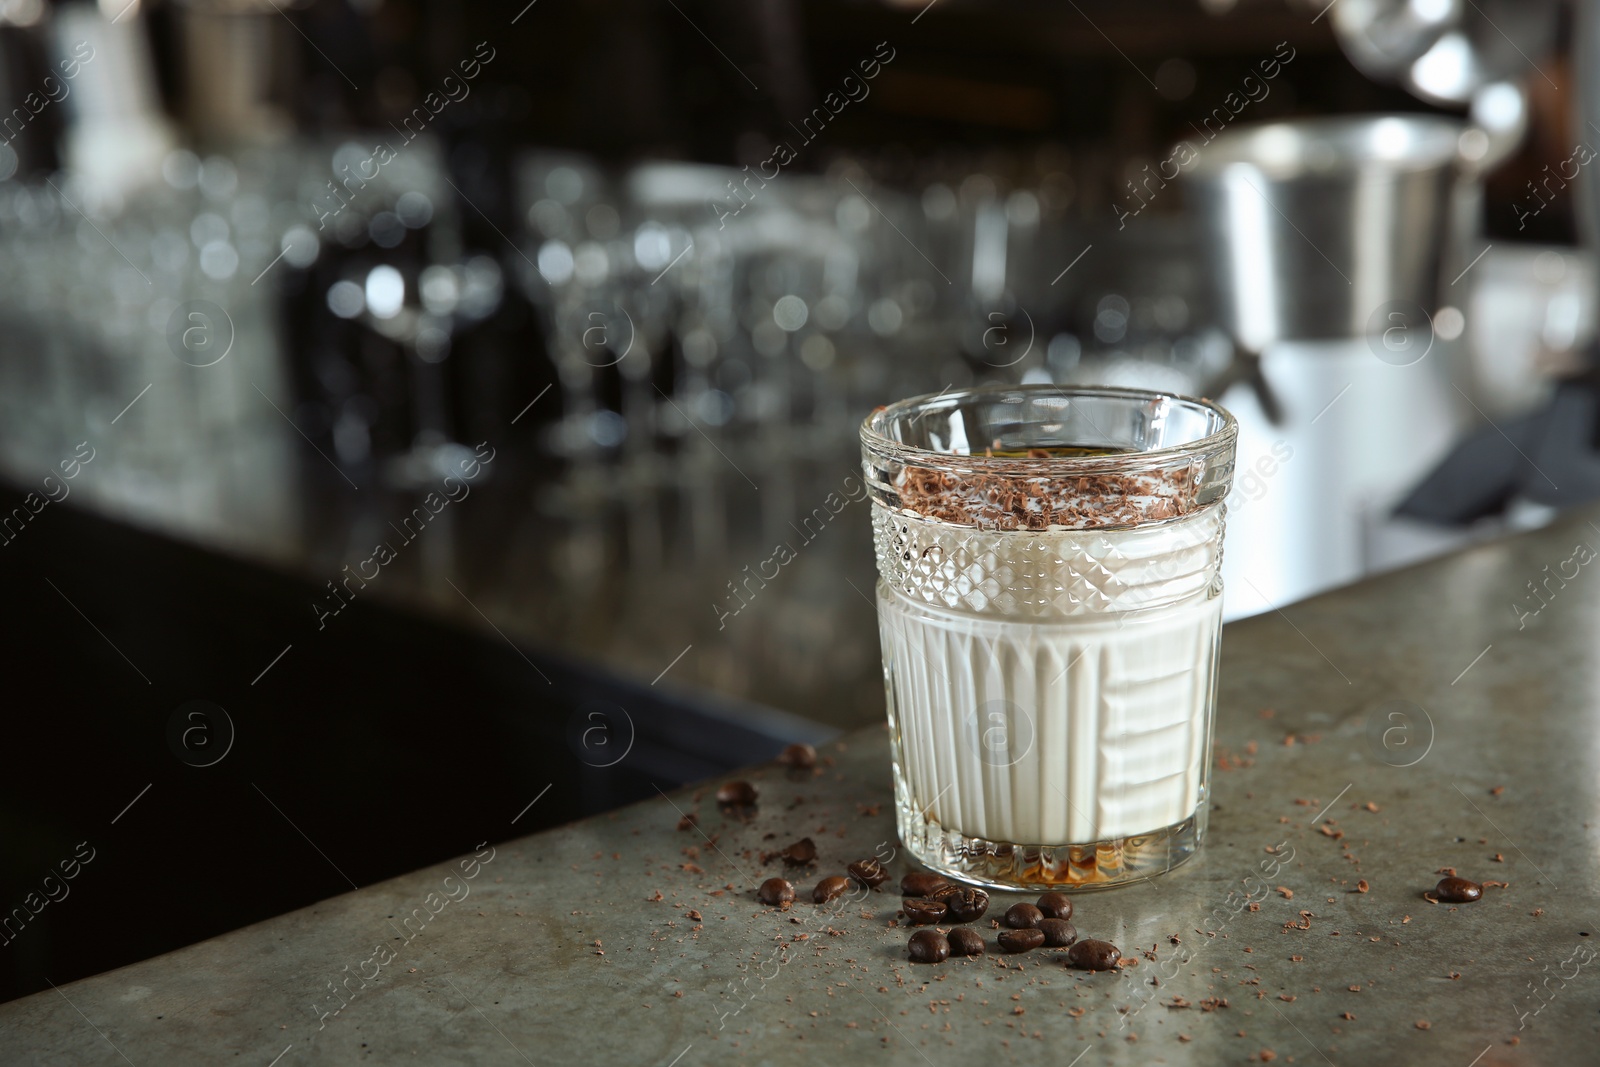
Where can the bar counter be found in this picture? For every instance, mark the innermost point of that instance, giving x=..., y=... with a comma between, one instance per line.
x=1445, y=716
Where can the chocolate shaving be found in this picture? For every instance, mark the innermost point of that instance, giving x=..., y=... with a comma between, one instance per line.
x=1042, y=501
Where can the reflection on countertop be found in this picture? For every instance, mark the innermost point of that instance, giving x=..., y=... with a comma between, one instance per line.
x=758, y=589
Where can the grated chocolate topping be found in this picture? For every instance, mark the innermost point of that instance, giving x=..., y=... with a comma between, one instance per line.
x=1040, y=502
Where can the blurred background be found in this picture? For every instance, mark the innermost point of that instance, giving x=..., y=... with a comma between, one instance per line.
x=476, y=361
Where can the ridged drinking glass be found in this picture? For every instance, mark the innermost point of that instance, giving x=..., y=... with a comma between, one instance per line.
x=1050, y=604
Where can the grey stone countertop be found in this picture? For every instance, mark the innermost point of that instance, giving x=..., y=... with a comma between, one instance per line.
x=1427, y=719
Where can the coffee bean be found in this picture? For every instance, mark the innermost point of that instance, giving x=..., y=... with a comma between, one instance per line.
x=1019, y=940
x=920, y=884
x=922, y=912
x=1056, y=906
x=963, y=903
x=1022, y=916
x=1457, y=890
x=800, y=853
x=1058, y=933
x=829, y=888
x=775, y=891
x=737, y=794
x=801, y=756
x=965, y=941
x=928, y=946
x=1092, y=955
x=868, y=872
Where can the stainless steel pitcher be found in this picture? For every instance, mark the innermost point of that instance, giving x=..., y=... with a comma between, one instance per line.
x=1314, y=228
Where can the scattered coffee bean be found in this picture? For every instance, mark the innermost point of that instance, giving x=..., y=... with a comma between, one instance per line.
x=1056, y=906
x=800, y=853
x=1058, y=933
x=1023, y=916
x=1020, y=940
x=1454, y=890
x=928, y=946
x=921, y=884
x=776, y=892
x=799, y=755
x=963, y=903
x=869, y=873
x=829, y=888
x=1092, y=955
x=922, y=912
x=965, y=941
x=737, y=794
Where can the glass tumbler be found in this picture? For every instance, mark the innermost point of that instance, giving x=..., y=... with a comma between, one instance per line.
x=1050, y=603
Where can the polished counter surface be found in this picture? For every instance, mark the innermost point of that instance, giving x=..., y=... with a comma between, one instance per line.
x=679, y=583
x=1438, y=717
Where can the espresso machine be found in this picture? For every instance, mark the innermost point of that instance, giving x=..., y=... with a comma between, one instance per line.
x=1346, y=253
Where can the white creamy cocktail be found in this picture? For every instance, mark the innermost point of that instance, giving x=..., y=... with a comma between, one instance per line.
x=1050, y=603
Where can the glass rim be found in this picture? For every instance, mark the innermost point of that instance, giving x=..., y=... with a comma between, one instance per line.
x=873, y=437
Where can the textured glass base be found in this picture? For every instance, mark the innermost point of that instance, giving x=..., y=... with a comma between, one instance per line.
x=1007, y=865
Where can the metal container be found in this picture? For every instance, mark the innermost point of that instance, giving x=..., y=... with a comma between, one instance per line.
x=1321, y=229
